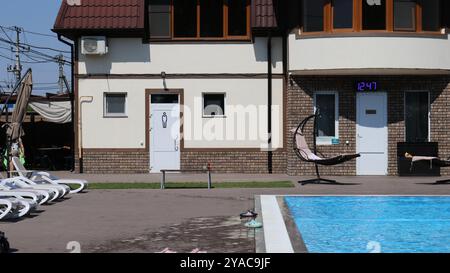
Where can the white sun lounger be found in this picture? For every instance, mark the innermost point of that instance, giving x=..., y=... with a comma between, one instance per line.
x=22, y=207
x=40, y=177
x=6, y=207
x=17, y=184
x=32, y=198
x=11, y=208
x=40, y=196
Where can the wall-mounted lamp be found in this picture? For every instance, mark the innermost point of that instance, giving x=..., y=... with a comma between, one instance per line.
x=164, y=76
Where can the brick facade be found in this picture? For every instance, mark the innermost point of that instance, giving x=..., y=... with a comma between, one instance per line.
x=235, y=161
x=300, y=93
x=300, y=105
x=114, y=161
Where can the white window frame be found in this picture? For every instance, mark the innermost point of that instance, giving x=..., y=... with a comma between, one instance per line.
x=429, y=111
x=115, y=115
x=329, y=139
x=224, y=104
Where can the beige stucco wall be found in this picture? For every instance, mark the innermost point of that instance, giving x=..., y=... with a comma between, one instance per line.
x=242, y=95
x=369, y=52
x=132, y=56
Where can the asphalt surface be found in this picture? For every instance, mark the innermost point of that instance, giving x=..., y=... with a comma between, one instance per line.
x=181, y=220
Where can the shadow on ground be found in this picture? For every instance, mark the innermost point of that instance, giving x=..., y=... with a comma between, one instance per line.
x=210, y=234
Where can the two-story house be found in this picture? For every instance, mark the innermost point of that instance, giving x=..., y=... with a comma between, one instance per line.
x=168, y=84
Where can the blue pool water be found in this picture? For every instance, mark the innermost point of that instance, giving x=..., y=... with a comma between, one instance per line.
x=373, y=224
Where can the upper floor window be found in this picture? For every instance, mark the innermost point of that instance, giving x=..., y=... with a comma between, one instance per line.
x=199, y=19
x=371, y=15
x=405, y=15
x=374, y=15
x=342, y=13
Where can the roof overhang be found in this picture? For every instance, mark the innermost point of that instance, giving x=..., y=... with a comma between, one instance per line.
x=371, y=72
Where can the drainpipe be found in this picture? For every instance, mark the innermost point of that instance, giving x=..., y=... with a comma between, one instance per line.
x=269, y=103
x=71, y=95
x=83, y=99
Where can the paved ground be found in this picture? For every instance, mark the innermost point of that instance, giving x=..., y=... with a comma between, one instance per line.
x=151, y=220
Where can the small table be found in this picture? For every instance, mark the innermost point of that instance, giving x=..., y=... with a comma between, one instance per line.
x=207, y=171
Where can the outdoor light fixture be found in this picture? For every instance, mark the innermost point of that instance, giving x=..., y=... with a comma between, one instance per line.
x=163, y=76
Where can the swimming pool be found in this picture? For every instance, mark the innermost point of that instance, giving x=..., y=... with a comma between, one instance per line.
x=362, y=224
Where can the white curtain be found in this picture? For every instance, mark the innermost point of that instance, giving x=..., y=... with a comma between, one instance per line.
x=55, y=111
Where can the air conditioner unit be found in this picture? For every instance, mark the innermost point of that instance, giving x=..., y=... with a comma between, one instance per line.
x=94, y=45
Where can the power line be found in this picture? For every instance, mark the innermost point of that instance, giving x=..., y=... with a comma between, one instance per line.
x=31, y=32
x=26, y=62
x=6, y=34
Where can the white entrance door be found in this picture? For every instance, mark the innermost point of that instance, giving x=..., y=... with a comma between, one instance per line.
x=164, y=134
x=372, y=134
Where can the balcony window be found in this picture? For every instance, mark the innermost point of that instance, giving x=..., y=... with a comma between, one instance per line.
x=313, y=15
x=374, y=15
x=371, y=15
x=405, y=15
x=199, y=19
x=185, y=18
x=211, y=19
x=237, y=18
x=342, y=14
x=430, y=15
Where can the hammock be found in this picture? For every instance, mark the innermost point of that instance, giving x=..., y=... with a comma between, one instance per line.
x=305, y=154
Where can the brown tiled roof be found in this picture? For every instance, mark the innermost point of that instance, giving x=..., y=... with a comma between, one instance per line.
x=263, y=14
x=115, y=15
x=101, y=15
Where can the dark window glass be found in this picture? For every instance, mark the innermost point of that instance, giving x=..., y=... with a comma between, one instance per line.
x=313, y=15
x=416, y=116
x=342, y=13
x=211, y=18
x=237, y=17
x=405, y=15
x=172, y=98
x=374, y=15
x=214, y=104
x=159, y=18
x=185, y=18
x=430, y=15
x=115, y=104
x=326, y=122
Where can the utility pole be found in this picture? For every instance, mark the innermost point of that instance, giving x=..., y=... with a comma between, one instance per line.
x=60, y=59
x=17, y=69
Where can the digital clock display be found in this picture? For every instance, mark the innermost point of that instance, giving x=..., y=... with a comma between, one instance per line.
x=367, y=86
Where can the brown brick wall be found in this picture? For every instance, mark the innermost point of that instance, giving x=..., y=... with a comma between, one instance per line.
x=114, y=161
x=98, y=161
x=300, y=105
x=234, y=161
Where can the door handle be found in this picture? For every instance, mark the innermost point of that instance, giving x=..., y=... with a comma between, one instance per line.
x=176, y=144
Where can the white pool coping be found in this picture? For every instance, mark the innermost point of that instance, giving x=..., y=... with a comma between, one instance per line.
x=275, y=232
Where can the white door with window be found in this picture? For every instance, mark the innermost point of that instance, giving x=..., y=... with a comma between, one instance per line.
x=372, y=134
x=164, y=133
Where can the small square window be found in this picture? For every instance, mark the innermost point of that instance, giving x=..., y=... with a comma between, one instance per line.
x=214, y=105
x=115, y=104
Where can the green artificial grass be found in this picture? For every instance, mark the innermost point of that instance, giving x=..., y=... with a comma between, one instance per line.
x=193, y=185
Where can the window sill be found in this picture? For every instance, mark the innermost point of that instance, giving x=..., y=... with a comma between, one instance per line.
x=196, y=41
x=113, y=116
x=313, y=35
x=211, y=117
x=327, y=141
